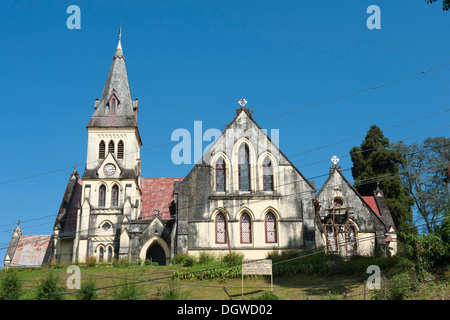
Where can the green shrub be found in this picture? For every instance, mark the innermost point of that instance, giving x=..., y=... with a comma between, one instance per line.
x=179, y=258
x=400, y=287
x=427, y=250
x=126, y=291
x=48, y=288
x=88, y=290
x=172, y=292
x=188, y=262
x=206, y=258
x=266, y=296
x=10, y=285
x=233, y=258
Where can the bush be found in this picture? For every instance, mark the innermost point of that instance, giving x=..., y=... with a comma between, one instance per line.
x=266, y=296
x=179, y=258
x=427, y=250
x=206, y=258
x=172, y=292
x=233, y=258
x=400, y=287
x=126, y=291
x=48, y=288
x=88, y=291
x=10, y=285
x=188, y=262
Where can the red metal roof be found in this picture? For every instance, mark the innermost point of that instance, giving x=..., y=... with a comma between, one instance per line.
x=372, y=204
x=31, y=251
x=157, y=193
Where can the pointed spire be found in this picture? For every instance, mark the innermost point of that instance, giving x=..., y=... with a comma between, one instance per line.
x=117, y=91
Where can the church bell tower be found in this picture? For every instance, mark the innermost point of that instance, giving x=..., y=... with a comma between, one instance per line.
x=111, y=193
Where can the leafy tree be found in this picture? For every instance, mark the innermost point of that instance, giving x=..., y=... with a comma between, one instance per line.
x=424, y=171
x=374, y=163
x=445, y=4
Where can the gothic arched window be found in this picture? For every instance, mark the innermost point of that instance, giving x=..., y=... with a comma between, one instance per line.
x=120, y=150
x=244, y=168
x=115, y=196
x=101, y=150
x=331, y=238
x=350, y=239
x=111, y=147
x=270, y=223
x=220, y=175
x=267, y=175
x=221, y=228
x=110, y=254
x=246, y=228
x=101, y=196
x=100, y=254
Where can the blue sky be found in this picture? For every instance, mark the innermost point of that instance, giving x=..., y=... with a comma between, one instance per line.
x=192, y=61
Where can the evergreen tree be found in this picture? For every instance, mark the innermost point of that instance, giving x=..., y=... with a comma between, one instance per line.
x=374, y=163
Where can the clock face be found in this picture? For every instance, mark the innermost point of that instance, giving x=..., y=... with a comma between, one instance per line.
x=109, y=169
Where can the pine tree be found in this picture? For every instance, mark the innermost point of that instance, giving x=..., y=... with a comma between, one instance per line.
x=374, y=163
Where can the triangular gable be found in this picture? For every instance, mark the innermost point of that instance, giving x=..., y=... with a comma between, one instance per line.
x=337, y=170
x=276, y=150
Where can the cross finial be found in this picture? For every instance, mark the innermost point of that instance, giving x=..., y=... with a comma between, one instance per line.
x=335, y=160
x=242, y=102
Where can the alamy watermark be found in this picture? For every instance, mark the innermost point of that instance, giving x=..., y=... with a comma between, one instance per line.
x=74, y=20
x=74, y=280
x=374, y=280
x=190, y=148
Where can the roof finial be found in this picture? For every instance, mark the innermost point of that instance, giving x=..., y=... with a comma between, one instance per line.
x=119, y=46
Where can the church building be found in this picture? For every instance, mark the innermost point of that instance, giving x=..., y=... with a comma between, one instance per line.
x=244, y=195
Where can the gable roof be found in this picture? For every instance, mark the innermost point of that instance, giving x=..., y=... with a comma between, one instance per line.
x=372, y=203
x=337, y=169
x=247, y=113
x=32, y=251
x=157, y=193
x=67, y=214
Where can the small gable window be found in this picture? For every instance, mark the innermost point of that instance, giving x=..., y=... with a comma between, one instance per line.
x=113, y=102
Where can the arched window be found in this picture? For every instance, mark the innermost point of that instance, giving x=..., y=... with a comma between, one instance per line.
x=350, y=240
x=115, y=196
x=110, y=254
x=120, y=150
x=267, y=175
x=244, y=168
x=246, y=228
x=111, y=147
x=220, y=175
x=101, y=196
x=331, y=238
x=100, y=254
x=338, y=202
x=101, y=150
x=221, y=228
x=112, y=105
x=271, y=228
